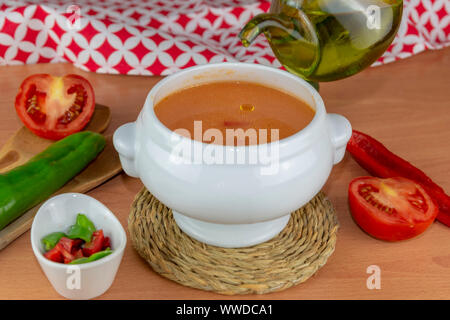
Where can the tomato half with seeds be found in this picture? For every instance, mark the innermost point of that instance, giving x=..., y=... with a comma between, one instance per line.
x=55, y=107
x=391, y=209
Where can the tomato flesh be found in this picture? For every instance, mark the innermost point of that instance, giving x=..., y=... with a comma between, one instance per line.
x=96, y=244
x=54, y=255
x=55, y=107
x=71, y=245
x=391, y=209
x=106, y=243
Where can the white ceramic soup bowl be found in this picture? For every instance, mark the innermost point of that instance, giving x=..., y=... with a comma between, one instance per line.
x=232, y=203
x=81, y=281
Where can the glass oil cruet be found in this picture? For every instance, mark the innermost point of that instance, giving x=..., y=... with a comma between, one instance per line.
x=326, y=40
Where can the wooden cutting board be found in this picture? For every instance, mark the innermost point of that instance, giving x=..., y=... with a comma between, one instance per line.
x=23, y=145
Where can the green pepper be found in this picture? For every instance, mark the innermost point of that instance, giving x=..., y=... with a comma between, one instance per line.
x=50, y=240
x=82, y=229
x=93, y=257
x=26, y=186
x=79, y=232
x=84, y=221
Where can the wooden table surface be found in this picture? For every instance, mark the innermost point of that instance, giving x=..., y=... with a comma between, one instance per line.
x=406, y=105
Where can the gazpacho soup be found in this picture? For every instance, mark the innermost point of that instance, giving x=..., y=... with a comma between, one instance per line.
x=236, y=112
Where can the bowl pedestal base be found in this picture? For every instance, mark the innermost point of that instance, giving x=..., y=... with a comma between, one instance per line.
x=230, y=235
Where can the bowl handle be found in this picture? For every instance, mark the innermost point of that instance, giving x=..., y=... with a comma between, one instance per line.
x=340, y=132
x=124, y=142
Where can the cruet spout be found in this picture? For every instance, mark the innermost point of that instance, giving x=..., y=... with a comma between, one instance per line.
x=292, y=38
x=265, y=23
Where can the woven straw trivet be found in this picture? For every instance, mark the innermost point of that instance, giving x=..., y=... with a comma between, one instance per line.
x=286, y=260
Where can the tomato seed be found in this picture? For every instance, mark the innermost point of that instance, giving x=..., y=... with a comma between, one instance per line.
x=366, y=192
x=75, y=110
x=32, y=106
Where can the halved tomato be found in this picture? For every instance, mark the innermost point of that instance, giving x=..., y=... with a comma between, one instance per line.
x=55, y=107
x=391, y=209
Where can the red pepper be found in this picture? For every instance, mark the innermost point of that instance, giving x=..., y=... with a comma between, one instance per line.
x=379, y=161
x=95, y=245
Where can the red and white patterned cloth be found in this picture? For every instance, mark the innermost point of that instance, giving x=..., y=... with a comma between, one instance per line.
x=153, y=37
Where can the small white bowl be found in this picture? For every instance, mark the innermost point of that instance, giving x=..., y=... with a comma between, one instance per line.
x=83, y=281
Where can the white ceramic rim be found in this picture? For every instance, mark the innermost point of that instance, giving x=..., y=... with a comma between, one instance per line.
x=299, y=137
x=82, y=266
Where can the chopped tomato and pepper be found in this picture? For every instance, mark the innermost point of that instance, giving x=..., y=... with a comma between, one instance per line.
x=82, y=243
